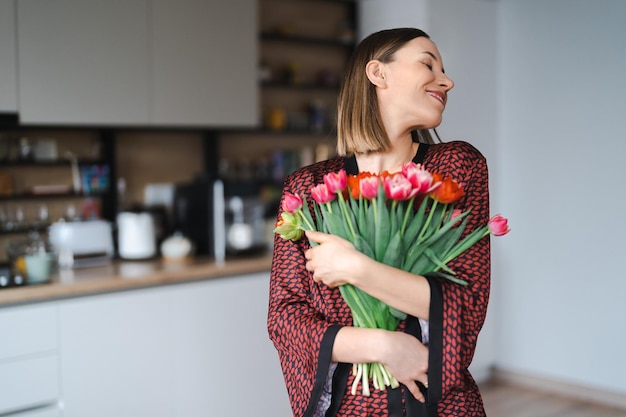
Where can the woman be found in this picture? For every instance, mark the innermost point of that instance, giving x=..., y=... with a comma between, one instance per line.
x=394, y=90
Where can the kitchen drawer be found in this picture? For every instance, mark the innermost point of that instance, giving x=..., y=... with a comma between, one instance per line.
x=28, y=383
x=27, y=330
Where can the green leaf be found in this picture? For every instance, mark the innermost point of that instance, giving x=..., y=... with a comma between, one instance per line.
x=413, y=255
x=447, y=240
x=397, y=313
x=307, y=212
x=363, y=246
x=449, y=277
x=466, y=243
x=415, y=224
x=393, y=218
x=383, y=227
x=394, y=252
x=440, y=265
x=319, y=219
x=370, y=236
x=422, y=266
x=444, y=229
x=335, y=222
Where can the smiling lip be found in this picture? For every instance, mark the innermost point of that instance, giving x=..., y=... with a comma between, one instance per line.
x=438, y=95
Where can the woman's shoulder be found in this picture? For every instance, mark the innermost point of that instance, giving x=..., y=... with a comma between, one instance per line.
x=457, y=148
x=456, y=158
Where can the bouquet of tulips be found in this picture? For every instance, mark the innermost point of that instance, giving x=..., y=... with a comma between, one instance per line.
x=406, y=220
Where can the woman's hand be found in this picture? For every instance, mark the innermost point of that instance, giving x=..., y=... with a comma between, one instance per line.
x=334, y=261
x=407, y=360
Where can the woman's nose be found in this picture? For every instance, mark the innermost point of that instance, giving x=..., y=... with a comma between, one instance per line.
x=446, y=82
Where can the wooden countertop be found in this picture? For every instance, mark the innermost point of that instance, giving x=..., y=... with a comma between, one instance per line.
x=125, y=275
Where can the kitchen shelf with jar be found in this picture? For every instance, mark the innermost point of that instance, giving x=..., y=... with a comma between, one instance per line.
x=304, y=46
x=48, y=173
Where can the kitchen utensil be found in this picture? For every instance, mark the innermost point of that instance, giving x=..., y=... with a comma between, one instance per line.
x=136, y=235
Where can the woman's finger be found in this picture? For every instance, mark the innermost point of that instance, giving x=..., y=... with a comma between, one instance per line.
x=414, y=389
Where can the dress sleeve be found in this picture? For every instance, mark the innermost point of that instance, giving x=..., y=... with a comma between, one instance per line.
x=300, y=333
x=457, y=312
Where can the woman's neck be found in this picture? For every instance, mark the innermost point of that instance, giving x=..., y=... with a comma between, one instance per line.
x=402, y=152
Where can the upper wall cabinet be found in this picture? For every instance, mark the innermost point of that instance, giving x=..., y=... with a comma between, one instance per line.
x=140, y=63
x=84, y=62
x=8, y=57
x=205, y=62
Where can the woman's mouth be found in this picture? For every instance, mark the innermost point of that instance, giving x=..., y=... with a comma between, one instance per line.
x=441, y=97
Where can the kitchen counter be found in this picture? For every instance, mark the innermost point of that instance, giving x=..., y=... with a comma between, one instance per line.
x=126, y=275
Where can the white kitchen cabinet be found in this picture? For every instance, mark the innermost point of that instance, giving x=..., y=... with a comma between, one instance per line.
x=195, y=349
x=8, y=57
x=84, y=62
x=117, y=353
x=205, y=63
x=138, y=63
x=227, y=364
x=29, y=363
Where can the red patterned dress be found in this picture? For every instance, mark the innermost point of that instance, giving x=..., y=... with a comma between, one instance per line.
x=304, y=316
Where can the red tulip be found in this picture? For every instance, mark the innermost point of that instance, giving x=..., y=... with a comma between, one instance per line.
x=291, y=203
x=336, y=181
x=321, y=194
x=499, y=225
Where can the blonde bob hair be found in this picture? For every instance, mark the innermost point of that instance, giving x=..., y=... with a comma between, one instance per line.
x=360, y=127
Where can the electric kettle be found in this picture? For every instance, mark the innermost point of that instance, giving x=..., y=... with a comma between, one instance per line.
x=136, y=235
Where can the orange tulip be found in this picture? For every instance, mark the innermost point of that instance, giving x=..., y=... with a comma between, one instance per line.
x=448, y=191
x=354, y=183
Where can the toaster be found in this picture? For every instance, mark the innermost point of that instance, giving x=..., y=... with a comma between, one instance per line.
x=82, y=243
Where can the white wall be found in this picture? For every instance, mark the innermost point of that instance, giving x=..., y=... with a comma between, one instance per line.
x=543, y=94
x=561, y=149
x=375, y=15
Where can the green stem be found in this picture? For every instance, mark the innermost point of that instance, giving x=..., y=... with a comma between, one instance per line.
x=306, y=221
x=428, y=219
x=465, y=245
x=375, y=210
x=407, y=212
x=344, y=208
x=349, y=293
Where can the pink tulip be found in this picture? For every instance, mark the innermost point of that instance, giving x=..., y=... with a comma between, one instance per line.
x=336, y=181
x=369, y=187
x=420, y=179
x=291, y=203
x=499, y=225
x=321, y=194
x=455, y=213
x=397, y=187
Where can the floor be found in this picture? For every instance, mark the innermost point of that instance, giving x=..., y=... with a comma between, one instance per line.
x=510, y=401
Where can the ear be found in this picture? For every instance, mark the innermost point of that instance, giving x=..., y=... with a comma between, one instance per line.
x=375, y=71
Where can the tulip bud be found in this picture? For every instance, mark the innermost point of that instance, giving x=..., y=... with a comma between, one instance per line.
x=291, y=203
x=499, y=225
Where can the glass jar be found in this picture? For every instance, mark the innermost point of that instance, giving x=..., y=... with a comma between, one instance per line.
x=32, y=259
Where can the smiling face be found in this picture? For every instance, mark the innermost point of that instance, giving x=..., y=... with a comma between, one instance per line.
x=413, y=88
